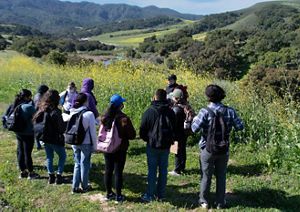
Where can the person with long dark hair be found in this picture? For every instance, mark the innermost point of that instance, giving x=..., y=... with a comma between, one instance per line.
x=83, y=152
x=116, y=161
x=53, y=133
x=42, y=89
x=25, y=137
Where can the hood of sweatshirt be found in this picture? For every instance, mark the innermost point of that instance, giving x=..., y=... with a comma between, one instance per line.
x=161, y=105
x=87, y=85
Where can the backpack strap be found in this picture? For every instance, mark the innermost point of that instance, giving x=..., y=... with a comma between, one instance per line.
x=211, y=112
x=65, y=96
x=88, y=129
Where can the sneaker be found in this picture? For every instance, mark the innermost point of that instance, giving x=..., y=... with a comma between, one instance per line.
x=33, y=176
x=51, y=179
x=221, y=206
x=23, y=174
x=76, y=190
x=204, y=205
x=120, y=198
x=59, y=179
x=147, y=198
x=174, y=173
x=110, y=196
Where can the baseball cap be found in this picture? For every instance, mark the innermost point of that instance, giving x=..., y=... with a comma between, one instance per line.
x=177, y=93
x=117, y=100
x=172, y=77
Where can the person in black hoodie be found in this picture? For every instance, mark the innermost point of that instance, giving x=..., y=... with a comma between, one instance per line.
x=157, y=129
x=53, y=133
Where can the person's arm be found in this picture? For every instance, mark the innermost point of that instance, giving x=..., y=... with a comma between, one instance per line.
x=237, y=122
x=129, y=130
x=92, y=130
x=144, y=127
x=198, y=121
x=92, y=106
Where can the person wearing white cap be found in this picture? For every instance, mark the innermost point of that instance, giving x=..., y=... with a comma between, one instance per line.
x=180, y=135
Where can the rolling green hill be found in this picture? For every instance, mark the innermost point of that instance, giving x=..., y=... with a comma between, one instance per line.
x=54, y=16
x=249, y=18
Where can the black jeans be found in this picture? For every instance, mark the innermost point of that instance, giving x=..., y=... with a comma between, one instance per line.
x=114, y=162
x=24, y=150
x=180, y=157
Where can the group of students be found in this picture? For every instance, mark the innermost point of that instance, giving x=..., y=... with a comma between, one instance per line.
x=168, y=119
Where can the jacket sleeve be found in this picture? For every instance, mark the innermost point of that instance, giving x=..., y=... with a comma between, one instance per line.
x=92, y=106
x=144, y=128
x=129, y=131
x=93, y=133
x=199, y=121
x=237, y=122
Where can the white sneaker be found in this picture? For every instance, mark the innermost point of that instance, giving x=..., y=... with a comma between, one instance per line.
x=204, y=205
x=173, y=173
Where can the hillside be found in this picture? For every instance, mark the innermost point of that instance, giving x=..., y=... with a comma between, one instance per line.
x=263, y=170
x=53, y=16
x=249, y=19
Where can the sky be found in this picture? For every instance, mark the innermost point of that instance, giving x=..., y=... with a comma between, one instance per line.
x=199, y=7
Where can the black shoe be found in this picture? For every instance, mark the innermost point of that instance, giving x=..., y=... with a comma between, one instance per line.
x=51, y=179
x=110, y=196
x=120, y=198
x=87, y=189
x=33, y=176
x=23, y=174
x=59, y=179
x=76, y=190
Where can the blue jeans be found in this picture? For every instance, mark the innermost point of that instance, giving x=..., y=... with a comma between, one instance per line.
x=213, y=164
x=82, y=159
x=157, y=158
x=61, y=152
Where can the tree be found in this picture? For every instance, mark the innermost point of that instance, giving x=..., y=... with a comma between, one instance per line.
x=57, y=58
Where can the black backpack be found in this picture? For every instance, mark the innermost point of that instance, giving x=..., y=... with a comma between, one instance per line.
x=75, y=132
x=43, y=128
x=217, y=141
x=15, y=122
x=162, y=135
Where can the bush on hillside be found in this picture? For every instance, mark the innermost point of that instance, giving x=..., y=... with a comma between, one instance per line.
x=57, y=58
x=285, y=83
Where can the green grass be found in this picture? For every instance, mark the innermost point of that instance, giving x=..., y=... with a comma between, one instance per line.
x=132, y=38
x=6, y=54
x=245, y=23
x=249, y=186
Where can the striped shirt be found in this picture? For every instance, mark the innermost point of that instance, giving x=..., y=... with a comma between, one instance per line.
x=201, y=121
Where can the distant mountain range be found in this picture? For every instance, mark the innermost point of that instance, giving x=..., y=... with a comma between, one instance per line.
x=53, y=16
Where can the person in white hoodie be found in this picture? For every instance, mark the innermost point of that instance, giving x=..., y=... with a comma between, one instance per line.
x=68, y=97
x=83, y=152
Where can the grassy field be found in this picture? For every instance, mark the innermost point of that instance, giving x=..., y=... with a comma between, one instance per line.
x=132, y=38
x=263, y=172
x=200, y=36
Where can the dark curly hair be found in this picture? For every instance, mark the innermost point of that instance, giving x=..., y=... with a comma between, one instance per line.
x=215, y=93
